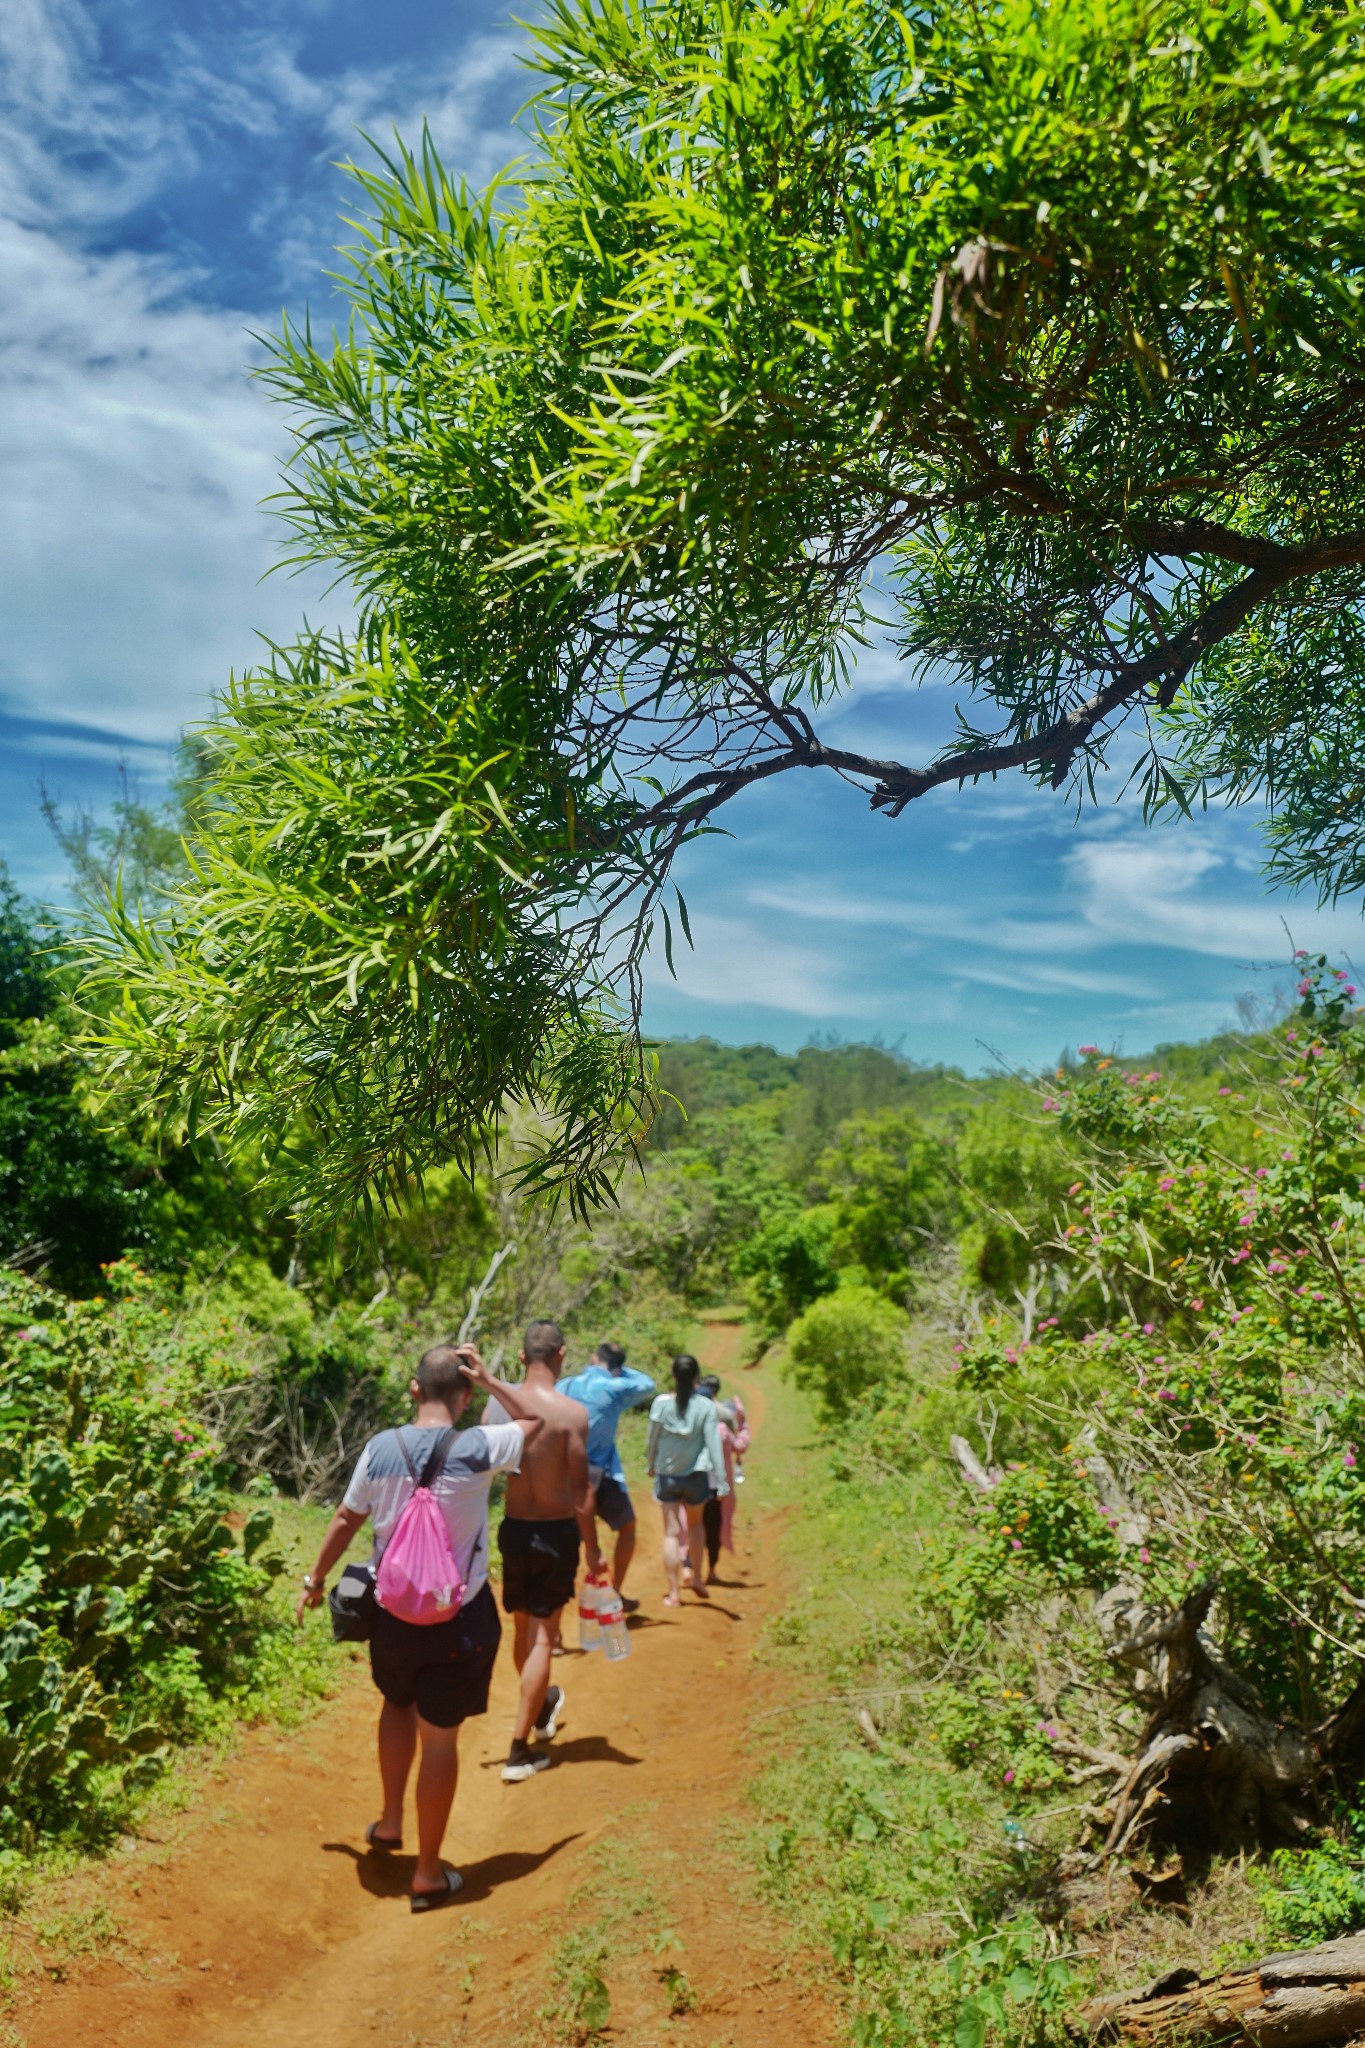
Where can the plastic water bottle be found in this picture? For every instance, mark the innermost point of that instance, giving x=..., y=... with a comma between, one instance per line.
x=611, y=1624
x=589, y=1601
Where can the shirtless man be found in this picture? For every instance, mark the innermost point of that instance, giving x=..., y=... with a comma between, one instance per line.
x=549, y=1511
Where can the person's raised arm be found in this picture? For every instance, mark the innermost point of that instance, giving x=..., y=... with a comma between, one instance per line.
x=513, y=1398
x=640, y=1384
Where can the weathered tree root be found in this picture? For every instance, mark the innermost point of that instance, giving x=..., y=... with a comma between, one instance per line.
x=1213, y=1769
x=1286, y=2001
x=1211, y=1762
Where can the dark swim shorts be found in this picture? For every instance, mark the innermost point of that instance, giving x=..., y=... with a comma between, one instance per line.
x=442, y=1670
x=539, y=1565
x=614, y=1506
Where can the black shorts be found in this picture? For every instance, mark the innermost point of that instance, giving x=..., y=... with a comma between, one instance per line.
x=614, y=1505
x=539, y=1565
x=443, y=1670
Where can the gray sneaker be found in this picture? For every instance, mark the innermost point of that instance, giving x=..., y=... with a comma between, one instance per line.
x=550, y=1714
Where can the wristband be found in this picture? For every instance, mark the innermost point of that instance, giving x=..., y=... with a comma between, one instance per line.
x=312, y=1585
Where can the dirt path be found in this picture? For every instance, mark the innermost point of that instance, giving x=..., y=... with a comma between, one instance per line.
x=261, y=1923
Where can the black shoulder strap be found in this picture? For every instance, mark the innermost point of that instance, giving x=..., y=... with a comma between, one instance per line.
x=440, y=1452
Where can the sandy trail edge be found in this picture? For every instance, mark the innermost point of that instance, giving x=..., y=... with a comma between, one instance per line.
x=261, y=1923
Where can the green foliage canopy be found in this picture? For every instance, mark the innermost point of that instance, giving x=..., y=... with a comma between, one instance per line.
x=1034, y=330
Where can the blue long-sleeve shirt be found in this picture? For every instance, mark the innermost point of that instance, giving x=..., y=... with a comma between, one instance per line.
x=606, y=1396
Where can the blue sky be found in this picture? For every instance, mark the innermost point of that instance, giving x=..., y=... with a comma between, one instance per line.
x=167, y=184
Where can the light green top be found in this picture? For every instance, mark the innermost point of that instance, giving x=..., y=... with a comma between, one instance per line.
x=679, y=1444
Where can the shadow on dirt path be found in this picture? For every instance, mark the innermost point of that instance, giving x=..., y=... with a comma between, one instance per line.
x=604, y=1900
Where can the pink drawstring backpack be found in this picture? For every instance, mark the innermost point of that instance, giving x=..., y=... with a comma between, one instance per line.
x=418, y=1579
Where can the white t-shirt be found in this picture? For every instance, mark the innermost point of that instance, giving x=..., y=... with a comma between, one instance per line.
x=381, y=1486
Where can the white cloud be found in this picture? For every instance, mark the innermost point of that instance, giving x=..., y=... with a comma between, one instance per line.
x=134, y=447
x=1180, y=889
x=135, y=451
x=736, y=962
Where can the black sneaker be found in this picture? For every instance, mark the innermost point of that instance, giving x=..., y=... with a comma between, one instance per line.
x=524, y=1762
x=549, y=1714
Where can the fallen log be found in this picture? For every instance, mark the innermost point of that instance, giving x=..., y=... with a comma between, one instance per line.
x=1301, y=2000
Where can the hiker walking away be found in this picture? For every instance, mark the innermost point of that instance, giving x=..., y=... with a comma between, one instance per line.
x=718, y=1516
x=433, y=1677
x=607, y=1388
x=548, y=1514
x=685, y=1463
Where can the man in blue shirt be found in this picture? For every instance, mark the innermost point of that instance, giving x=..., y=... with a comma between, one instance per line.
x=607, y=1388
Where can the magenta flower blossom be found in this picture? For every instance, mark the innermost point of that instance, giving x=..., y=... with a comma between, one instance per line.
x=1009, y=1777
x=1149, y=1329
x=1225, y=1091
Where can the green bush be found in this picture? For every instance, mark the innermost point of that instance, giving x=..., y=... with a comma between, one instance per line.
x=1312, y=1895
x=846, y=1343
x=127, y=1603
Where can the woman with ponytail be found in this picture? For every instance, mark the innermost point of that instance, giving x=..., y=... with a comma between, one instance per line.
x=687, y=1465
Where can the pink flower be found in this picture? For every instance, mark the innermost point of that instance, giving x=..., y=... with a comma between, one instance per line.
x=1009, y=1775
x=1225, y=1091
x=1196, y=1305
x=1305, y=988
x=1349, y=1461
x=1015, y=1544
x=1169, y=1182
x=1145, y=1555
x=1087, y=1048
x=1148, y=1329
x=1262, y=1172
x=1075, y=1187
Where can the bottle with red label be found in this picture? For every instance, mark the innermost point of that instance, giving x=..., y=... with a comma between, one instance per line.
x=589, y=1628
x=611, y=1623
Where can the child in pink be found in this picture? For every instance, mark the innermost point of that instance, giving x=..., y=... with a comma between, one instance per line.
x=719, y=1513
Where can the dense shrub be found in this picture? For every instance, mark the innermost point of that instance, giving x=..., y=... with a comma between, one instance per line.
x=845, y=1344
x=127, y=1601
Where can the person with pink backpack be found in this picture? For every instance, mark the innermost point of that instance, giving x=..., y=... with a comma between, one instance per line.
x=425, y=1607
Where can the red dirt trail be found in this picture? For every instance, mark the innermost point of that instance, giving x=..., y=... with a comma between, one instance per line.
x=258, y=1920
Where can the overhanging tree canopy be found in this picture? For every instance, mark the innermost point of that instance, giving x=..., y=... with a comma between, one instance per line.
x=1033, y=327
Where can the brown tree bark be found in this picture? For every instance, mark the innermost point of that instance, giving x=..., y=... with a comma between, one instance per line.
x=1301, y=2000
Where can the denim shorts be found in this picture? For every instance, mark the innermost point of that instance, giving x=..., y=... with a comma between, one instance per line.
x=692, y=1488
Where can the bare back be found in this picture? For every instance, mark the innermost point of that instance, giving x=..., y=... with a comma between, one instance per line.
x=553, y=1481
